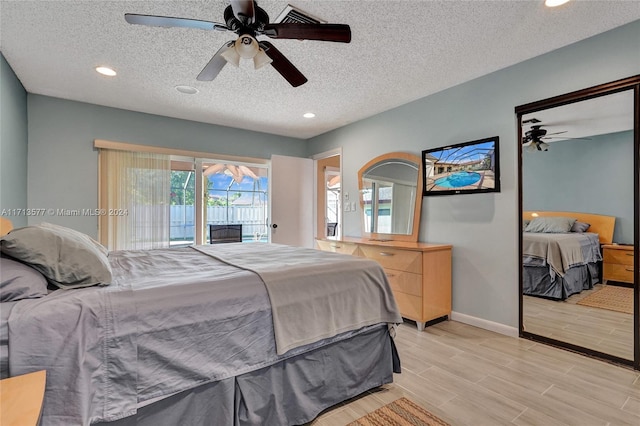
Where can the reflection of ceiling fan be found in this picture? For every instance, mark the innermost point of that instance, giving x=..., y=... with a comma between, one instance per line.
x=533, y=138
x=246, y=19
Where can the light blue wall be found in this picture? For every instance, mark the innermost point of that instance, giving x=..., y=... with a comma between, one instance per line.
x=483, y=228
x=13, y=143
x=63, y=165
x=594, y=176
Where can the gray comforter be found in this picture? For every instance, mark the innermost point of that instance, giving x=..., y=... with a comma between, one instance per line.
x=560, y=251
x=175, y=319
x=341, y=292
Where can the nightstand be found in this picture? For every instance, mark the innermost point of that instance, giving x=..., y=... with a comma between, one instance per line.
x=617, y=263
x=21, y=399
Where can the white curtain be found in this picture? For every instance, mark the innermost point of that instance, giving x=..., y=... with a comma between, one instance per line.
x=134, y=199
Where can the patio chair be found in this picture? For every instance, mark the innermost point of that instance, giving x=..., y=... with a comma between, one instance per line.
x=219, y=234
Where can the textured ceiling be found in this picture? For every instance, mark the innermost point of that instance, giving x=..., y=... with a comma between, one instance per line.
x=400, y=51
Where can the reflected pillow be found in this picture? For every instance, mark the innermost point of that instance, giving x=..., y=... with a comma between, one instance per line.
x=580, y=227
x=19, y=281
x=67, y=258
x=550, y=224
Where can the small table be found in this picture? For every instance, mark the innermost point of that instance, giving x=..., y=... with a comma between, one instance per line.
x=617, y=261
x=21, y=399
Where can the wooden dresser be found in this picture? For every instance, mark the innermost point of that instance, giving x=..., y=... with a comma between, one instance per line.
x=617, y=263
x=419, y=273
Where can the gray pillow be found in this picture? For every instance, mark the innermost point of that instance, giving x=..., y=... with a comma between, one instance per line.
x=67, y=259
x=550, y=224
x=18, y=281
x=77, y=234
x=580, y=227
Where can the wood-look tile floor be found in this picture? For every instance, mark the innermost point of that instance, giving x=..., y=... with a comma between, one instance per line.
x=599, y=329
x=470, y=376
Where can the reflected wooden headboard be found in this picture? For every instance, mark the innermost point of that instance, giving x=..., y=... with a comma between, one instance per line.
x=5, y=226
x=600, y=224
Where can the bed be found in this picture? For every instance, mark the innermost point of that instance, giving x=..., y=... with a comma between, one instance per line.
x=561, y=253
x=246, y=334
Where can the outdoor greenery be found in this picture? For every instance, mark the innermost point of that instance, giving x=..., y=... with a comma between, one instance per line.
x=182, y=194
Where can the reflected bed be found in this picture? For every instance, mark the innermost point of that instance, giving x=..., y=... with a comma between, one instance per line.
x=559, y=262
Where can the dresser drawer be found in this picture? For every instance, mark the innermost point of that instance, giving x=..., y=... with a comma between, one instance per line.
x=337, y=247
x=404, y=282
x=410, y=306
x=617, y=272
x=402, y=260
x=623, y=257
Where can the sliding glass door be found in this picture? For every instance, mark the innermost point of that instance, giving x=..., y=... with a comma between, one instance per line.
x=236, y=194
x=232, y=194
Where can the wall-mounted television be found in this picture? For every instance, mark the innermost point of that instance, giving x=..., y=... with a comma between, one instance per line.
x=463, y=168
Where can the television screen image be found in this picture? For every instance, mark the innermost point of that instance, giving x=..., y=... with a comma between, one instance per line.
x=464, y=168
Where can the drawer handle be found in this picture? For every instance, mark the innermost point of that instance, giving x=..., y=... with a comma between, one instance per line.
x=629, y=254
x=390, y=275
x=628, y=269
x=335, y=246
x=385, y=253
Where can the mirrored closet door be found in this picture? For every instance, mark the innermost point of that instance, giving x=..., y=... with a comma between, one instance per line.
x=578, y=182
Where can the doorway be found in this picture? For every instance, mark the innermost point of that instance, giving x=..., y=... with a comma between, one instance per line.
x=328, y=167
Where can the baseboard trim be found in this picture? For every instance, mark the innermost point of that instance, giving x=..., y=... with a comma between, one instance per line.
x=485, y=324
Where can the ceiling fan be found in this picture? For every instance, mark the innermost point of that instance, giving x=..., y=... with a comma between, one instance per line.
x=533, y=138
x=249, y=21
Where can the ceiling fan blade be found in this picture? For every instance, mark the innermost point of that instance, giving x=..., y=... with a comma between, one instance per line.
x=325, y=32
x=244, y=11
x=282, y=65
x=215, y=65
x=168, y=21
x=556, y=133
x=565, y=138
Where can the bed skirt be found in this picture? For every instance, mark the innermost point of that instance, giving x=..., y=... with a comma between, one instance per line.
x=291, y=392
x=536, y=281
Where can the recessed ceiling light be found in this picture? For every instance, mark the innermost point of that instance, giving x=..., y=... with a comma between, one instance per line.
x=308, y=115
x=189, y=90
x=554, y=3
x=106, y=71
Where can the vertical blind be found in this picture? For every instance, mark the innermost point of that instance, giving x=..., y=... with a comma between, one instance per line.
x=134, y=199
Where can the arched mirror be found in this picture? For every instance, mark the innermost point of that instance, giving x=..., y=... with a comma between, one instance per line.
x=579, y=221
x=390, y=197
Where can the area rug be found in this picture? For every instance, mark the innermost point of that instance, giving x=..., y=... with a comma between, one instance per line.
x=401, y=412
x=613, y=298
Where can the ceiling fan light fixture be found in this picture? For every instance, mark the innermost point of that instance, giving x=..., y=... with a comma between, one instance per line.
x=231, y=56
x=542, y=146
x=246, y=46
x=261, y=59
